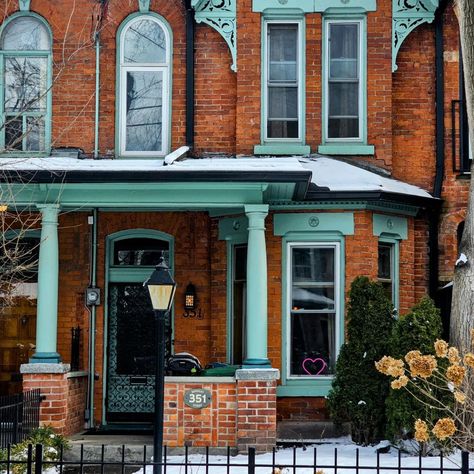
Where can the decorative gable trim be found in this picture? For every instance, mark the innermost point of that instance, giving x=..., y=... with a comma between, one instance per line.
x=406, y=16
x=220, y=15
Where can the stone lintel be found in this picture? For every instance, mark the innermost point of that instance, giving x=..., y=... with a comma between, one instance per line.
x=257, y=374
x=45, y=368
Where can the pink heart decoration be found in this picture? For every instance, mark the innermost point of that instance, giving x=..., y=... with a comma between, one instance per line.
x=313, y=361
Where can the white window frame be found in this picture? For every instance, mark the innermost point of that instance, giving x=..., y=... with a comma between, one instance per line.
x=361, y=51
x=299, y=80
x=337, y=303
x=165, y=68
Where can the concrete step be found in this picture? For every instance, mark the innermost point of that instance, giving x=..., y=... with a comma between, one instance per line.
x=291, y=432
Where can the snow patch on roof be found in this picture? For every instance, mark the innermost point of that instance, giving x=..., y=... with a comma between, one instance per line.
x=342, y=176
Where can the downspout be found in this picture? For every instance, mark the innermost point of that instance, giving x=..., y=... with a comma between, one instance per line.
x=190, y=30
x=92, y=322
x=97, y=90
x=434, y=215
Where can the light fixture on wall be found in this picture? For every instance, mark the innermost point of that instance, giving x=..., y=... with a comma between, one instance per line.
x=190, y=298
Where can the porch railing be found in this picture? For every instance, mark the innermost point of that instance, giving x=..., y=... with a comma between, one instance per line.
x=291, y=461
x=19, y=415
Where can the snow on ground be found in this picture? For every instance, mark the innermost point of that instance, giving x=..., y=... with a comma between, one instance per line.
x=320, y=457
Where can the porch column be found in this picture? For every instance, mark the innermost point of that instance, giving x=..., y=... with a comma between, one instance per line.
x=256, y=320
x=48, y=277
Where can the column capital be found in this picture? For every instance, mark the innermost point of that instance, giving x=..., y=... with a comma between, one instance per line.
x=49, y=212
x=256, y=209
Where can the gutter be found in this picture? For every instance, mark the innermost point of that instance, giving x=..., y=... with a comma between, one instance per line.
x=190, y=27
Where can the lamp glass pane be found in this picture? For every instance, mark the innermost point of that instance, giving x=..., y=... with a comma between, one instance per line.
x=161, y=296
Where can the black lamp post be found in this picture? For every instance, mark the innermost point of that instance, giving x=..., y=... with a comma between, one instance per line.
x=161, y=287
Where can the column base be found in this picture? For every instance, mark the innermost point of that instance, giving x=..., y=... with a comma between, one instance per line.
x=45, y=358
x=256, y=364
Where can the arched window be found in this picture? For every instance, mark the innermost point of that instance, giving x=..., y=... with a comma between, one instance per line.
x=144, y=87
x=25, y=56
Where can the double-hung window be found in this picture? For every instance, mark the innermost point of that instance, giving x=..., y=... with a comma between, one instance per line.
x=313, y=309
x=25, y=58
x=344, y=85
x=144, y=90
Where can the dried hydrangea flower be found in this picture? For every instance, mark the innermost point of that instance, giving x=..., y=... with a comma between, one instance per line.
x=453, y=356
x=455, y=374
x=444, y=428
x=389, y=366
x=421, y=431
x=460, y=397
x=469, y=359
x=411, y=355
x=422, y=366
x=402, y=381
x=441, y=348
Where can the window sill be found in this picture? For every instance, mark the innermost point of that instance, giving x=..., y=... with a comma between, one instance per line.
x=346, y=149
x=305, y=388
x=282, y=149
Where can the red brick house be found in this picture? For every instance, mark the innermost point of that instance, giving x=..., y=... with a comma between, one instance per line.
x=271, y=150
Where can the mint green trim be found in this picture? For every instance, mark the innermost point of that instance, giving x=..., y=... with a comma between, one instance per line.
x=144, y=6
x=24, y=5
x=391, y=226
x=406, y=16
x=334, y=17
x=49, y=84
x=312, y=6
x=382, y=206
x=283, y=146
x=222, y=17
x=317, y=386
x=342, y=222
x=137, y=274
x=283, y=149
x=395, y=256
x=118, y=85
x=257, y=290
x=346, y=149
x=234, y=229
x=48, y=283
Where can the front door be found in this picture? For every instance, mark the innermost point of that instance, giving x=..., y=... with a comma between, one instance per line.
x=131, y=335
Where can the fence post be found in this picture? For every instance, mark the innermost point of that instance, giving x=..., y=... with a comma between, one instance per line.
x=464, y=462
x=251, y=460
x=29, y=460
x=39, y=458
x=15, y=434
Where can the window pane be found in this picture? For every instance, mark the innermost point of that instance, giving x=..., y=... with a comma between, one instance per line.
x=312, y=344
x=313, y=264
x=343, y=128
x=282, y=129
x=283, y=72
x=144, y=110
x=25, y=34
x=14, y=133
x=312, y=298
x=140, y=252
x=385, y=261
x=35, y=134
x=343, y=41
x=343, y=69
x=144, y=42
x=283, y=43
x=343, y=99
x=25, y=84
x=283, y=102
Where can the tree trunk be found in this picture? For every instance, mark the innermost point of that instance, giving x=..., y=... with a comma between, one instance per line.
x=462, y=311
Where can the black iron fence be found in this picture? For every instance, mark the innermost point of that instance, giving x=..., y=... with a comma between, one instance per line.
x=292, y=462
x=19, y=415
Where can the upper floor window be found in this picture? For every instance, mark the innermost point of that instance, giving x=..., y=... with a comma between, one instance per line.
x=25, y=58
x=344, y=84
x=144, y=87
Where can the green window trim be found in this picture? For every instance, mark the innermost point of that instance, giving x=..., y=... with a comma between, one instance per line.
x=280, y=146
x=24, y=12
x=313, y=6
x=318, y=386
x=395, y=268
x=169, y=86
x=354, y=145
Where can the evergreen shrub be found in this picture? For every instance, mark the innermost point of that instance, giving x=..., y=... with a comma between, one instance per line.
x=358, y=392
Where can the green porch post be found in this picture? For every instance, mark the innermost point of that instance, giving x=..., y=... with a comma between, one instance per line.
x=256, y=322
x=48, y=277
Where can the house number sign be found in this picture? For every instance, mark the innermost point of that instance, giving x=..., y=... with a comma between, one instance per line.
x=197, y=398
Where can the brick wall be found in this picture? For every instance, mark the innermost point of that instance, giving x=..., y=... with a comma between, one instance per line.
x=65, y=399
